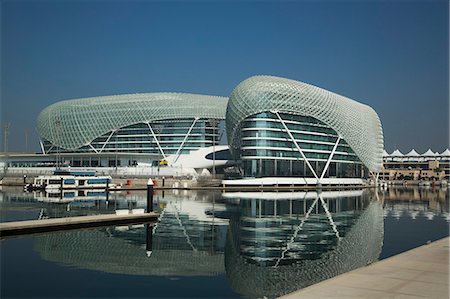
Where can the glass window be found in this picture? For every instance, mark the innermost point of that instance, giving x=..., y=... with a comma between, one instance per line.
x=298, y=168
x=283, y=168
x=308, y=172
x=331, y=170
x=320, y=165
x=268, y=168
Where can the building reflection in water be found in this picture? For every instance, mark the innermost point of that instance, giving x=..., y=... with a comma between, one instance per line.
x=268, y=244
x=416, y=202
x=188, y=240
x=282, y=242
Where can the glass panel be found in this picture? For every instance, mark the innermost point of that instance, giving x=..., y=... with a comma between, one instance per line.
x=268, y=168
x=331, y=170
x=298, y=168
x=283, y=168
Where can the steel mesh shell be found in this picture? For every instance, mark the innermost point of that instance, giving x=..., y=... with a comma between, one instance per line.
x=358, y=124
x=71, y=124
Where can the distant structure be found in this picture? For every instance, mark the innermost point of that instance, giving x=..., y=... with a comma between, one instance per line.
x=413, y=166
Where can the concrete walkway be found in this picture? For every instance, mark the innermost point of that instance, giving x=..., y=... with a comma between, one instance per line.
x=422, y=272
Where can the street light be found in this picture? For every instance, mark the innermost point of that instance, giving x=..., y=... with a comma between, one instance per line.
x=6, y=127
x=26, y=140
x=58, y=133
x=213, y=122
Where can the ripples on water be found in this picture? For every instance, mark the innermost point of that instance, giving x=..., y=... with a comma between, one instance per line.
x=214, y=245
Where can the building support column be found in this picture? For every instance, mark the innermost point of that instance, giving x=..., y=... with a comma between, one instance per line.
x=296, y=145
x=93, y=148
x=42, y=147
x=178, y=153
x=157, y=141
x=329, y=158
x=375, y=177
x=107, y=140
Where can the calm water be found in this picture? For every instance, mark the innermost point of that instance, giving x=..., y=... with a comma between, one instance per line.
x=212, y=245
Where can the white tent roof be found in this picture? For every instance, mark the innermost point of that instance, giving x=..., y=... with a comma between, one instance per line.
x=397, y=153
x=385, y=153
x=429, y=153
x=412, y=153
x=446, y=153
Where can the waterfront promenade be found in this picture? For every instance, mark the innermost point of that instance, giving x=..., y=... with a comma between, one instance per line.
x=422, y=272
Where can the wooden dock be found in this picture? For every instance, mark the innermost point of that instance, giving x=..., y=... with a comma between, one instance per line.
x=422, y=272
x=9, y=229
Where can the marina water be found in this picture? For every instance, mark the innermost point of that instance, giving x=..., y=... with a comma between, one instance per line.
x=213, y=245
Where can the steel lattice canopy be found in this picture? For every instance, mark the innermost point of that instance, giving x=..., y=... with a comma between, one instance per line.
x=74, y=123
x=358, y=124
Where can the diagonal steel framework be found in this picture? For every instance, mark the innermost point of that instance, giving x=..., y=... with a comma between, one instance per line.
x=330, y=218
x=93, y=148
x=107, y=140
x=302, y=222
x=296, y=231
x=330, y=157
x=188, y=239
x=296, y=144
x=157, y=141
x=177, y=154
x=42, y=146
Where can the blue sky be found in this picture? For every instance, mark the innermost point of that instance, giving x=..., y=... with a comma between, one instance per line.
x=392, y=56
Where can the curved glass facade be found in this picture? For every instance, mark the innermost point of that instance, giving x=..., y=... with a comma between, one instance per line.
x=267, y=148
x=357, y=123
x=172, y=136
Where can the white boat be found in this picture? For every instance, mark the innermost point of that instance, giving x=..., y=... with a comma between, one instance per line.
x=71, y=180
x=71, y=195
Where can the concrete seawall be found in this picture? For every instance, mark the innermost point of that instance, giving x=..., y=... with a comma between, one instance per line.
x=189, y=184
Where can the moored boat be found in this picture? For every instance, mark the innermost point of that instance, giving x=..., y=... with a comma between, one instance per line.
x=61, y=180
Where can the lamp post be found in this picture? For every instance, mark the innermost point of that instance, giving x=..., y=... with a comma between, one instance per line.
x=26, y=140
x=58, y=133
x=213, y=122
x=6, y=127
x=158, y=128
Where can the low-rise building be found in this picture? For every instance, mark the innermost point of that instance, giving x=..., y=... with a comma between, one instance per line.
x=414, y=166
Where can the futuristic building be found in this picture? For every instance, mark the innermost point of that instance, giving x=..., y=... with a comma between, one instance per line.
x=284, y=128
x=279, y=131
x=156, y=125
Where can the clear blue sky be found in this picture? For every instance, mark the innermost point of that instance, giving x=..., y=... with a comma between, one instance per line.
x=392, y=56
